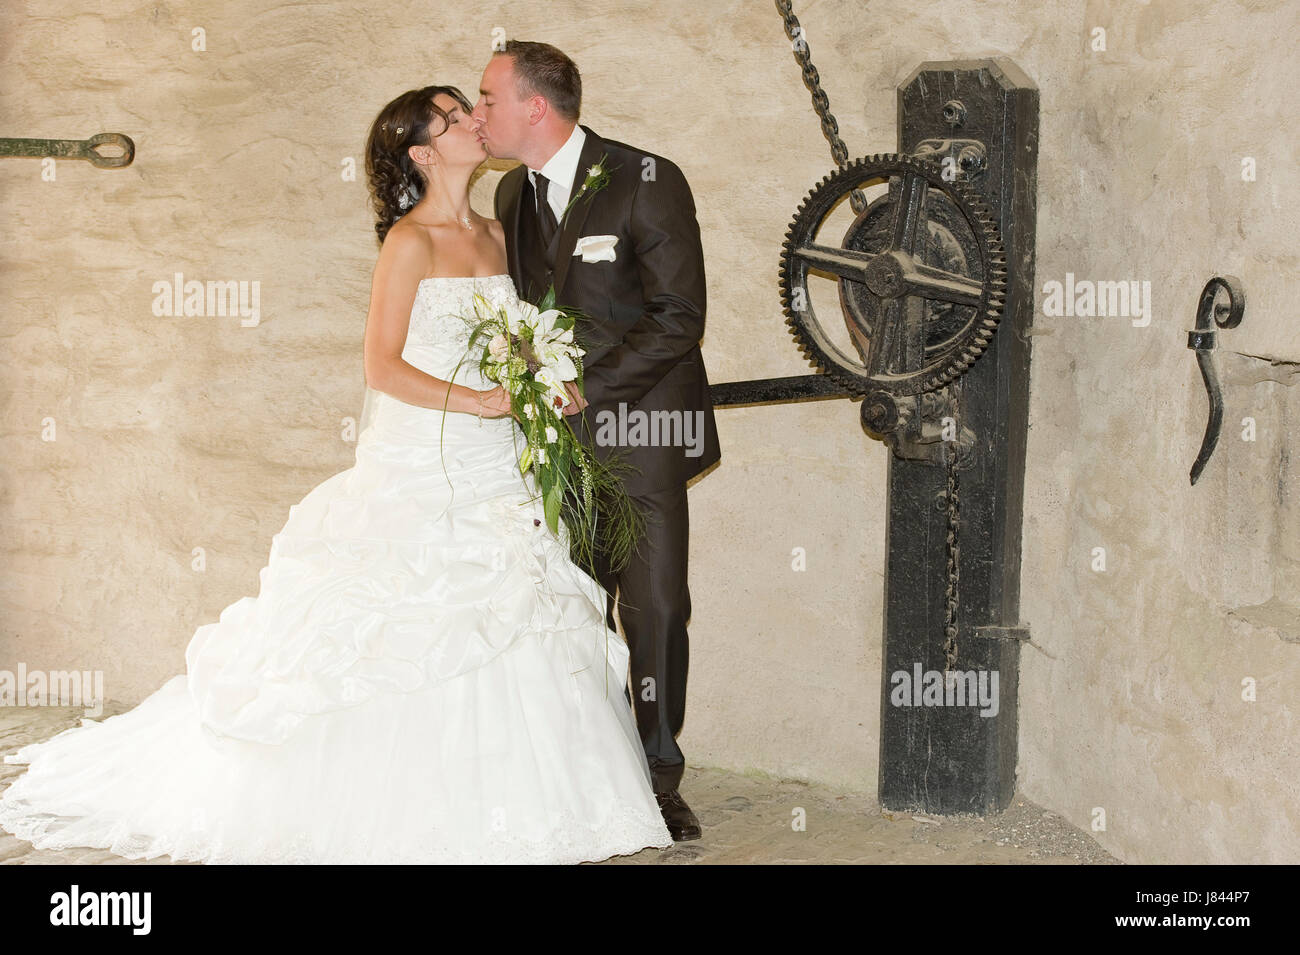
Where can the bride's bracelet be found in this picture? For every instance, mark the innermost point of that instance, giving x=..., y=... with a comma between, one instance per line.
x=480, y=404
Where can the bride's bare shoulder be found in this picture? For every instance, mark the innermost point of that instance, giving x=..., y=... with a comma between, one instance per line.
x=407, y=251
x=407, y=232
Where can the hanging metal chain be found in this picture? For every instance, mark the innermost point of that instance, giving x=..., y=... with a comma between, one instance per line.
x=820, y=101
x=831, y=129
x=952, y=547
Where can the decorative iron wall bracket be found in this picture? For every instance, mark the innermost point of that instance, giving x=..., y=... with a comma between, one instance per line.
x=1202, y=339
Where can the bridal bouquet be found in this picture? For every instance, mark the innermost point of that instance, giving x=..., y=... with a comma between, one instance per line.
x=530, y=351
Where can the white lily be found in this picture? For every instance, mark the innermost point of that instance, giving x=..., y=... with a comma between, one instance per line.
x=562, y=366
x=544, y=325
x=519, y=314
x=554, y=347
x=554, y=385
x=546, y=376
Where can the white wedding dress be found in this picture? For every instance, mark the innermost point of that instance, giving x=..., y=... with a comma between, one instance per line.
x=424, y=677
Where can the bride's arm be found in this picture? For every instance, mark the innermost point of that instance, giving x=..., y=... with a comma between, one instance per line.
x=402, y=261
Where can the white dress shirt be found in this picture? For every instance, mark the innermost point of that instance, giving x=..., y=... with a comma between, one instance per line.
x=560, y=170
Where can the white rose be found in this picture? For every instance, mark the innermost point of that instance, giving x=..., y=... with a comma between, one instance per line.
x=499, y=348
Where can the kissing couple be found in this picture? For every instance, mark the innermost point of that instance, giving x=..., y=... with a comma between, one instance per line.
x=427, y=674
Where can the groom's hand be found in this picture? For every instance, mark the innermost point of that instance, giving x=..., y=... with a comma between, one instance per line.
x=578, y=402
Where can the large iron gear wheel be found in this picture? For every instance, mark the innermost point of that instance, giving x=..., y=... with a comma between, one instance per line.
x=922, y=277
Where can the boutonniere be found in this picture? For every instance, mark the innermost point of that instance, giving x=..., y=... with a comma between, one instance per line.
x=596, y=180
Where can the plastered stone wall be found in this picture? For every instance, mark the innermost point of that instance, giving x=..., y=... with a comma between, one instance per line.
x=176, y=433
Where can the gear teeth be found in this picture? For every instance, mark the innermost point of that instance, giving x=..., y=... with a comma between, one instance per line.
x=813, y=209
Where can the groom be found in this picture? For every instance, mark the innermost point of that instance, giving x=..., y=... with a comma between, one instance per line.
x=643, y=293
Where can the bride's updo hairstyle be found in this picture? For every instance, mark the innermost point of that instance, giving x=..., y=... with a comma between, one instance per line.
x=413, y=119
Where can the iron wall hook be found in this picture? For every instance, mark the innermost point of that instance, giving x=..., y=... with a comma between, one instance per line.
x=1211, y=312
x=88, y=149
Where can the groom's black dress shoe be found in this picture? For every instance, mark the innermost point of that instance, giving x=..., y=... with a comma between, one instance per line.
x=681, y=822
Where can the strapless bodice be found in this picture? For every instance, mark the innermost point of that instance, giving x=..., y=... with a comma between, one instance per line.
x=437, y=339
x=441, y=319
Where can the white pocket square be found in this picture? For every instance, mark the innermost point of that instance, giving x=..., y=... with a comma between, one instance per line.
x=596, y=248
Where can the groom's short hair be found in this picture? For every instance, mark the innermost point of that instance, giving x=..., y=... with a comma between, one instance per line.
x=541, y=69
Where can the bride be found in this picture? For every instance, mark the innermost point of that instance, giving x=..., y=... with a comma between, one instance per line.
x=425, y=675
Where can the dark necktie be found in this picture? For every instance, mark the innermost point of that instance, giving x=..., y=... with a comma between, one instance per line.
x=546, y=215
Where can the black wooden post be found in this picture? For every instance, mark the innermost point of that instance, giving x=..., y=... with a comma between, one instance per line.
x=947, y=758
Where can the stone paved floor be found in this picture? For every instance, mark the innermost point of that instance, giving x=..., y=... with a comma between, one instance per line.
x=746, y=818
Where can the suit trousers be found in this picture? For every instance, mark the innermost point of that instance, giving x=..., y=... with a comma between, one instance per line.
x=654, y=604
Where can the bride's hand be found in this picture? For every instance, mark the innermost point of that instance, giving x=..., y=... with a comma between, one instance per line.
x=495, y=402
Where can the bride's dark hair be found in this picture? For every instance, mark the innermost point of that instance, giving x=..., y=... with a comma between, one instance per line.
x=403, y=123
